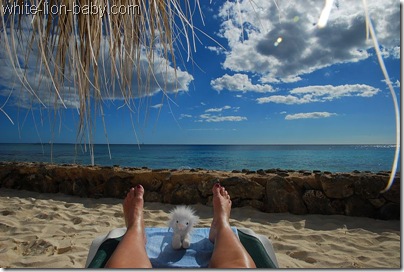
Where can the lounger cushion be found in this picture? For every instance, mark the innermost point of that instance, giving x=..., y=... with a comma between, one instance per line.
x=162, y=255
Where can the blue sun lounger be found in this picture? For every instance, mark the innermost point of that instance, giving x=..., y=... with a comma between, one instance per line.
x=162, y=255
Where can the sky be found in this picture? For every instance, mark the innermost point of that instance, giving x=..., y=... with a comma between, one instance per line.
x=261, y=72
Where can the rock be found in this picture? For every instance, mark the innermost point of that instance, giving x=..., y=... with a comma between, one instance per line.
x=243, y=188
x=337, y=187
x=283, y=196
x=369, y=186
x=151, y=181
x=377, y=202
x=393, y=194
x=272, y=190
x=356, y=206
x=49, y=185
x=66, y=187
x=317, y=202
x=152, y=197
x=390, y=211
x=338, y=206
x=205, y=186
x=79, y=188
x=185, y=195
x=262, y=180
x=307, y=182
x=117, y=187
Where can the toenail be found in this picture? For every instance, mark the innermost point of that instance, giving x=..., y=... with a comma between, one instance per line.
x=138, y=186
x=217, y=185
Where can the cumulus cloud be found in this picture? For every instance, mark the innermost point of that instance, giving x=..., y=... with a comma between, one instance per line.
x=284, y=99
x=240, y=83
x=218, y=109
x=215, y=115
x=219, y=118
x=218, y=50
x=309, y=115
x=279, y=40
x=324, y=93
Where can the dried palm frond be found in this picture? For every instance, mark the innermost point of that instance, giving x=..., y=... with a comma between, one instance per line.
x=75, y=40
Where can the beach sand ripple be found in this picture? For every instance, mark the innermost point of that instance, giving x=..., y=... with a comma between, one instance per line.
x=55, y=231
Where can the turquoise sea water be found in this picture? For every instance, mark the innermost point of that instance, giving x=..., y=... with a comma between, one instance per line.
x=334, y=158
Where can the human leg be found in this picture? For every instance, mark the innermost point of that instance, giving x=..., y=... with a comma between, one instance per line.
x=228, y=251
x=131, y=250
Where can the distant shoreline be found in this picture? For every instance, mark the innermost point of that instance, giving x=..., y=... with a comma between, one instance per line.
x=201, y=144
x=229, y=157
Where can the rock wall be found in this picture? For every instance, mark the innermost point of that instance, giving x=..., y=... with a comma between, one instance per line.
x=272, y=190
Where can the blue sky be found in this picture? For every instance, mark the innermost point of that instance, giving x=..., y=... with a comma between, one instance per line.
x=276, y=78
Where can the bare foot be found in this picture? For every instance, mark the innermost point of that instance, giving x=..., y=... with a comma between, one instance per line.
x=133, y=210
x=221, y=211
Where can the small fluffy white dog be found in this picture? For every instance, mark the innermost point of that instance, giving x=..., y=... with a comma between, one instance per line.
x=182, y=221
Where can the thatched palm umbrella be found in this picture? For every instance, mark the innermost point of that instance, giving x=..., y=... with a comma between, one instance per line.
x=97, y=47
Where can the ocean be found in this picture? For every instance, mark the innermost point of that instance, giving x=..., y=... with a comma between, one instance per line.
x=333, y=158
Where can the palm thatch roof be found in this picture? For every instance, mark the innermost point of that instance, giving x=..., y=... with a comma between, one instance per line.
x=97, y=47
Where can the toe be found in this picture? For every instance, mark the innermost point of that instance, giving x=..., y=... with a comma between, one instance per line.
x=130, y=194
x=223, y=191
x=216, y=189
x=139, y=191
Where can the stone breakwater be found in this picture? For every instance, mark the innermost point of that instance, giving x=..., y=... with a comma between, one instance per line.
x=272, y=190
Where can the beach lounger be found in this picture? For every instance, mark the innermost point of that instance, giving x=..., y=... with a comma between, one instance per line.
x=162, y=255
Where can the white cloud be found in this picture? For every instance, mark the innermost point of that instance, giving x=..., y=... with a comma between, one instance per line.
x=218, y=109
x=157, y=106
x=165, y=78
x=252, y=30
x=395, y=84
x=283, y=99
x=309, y=115
x=182, y=116
x=219, y=118
x=329, y=92
x=309, y=94
x=239, y=83
x=218, y=50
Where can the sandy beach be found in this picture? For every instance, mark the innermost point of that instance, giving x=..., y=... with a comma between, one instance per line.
x=40, y=230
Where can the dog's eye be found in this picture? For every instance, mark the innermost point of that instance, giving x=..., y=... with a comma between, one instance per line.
x=177, y=221
x=187, y=223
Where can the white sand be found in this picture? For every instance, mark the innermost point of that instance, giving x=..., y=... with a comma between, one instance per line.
x=55, y=231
